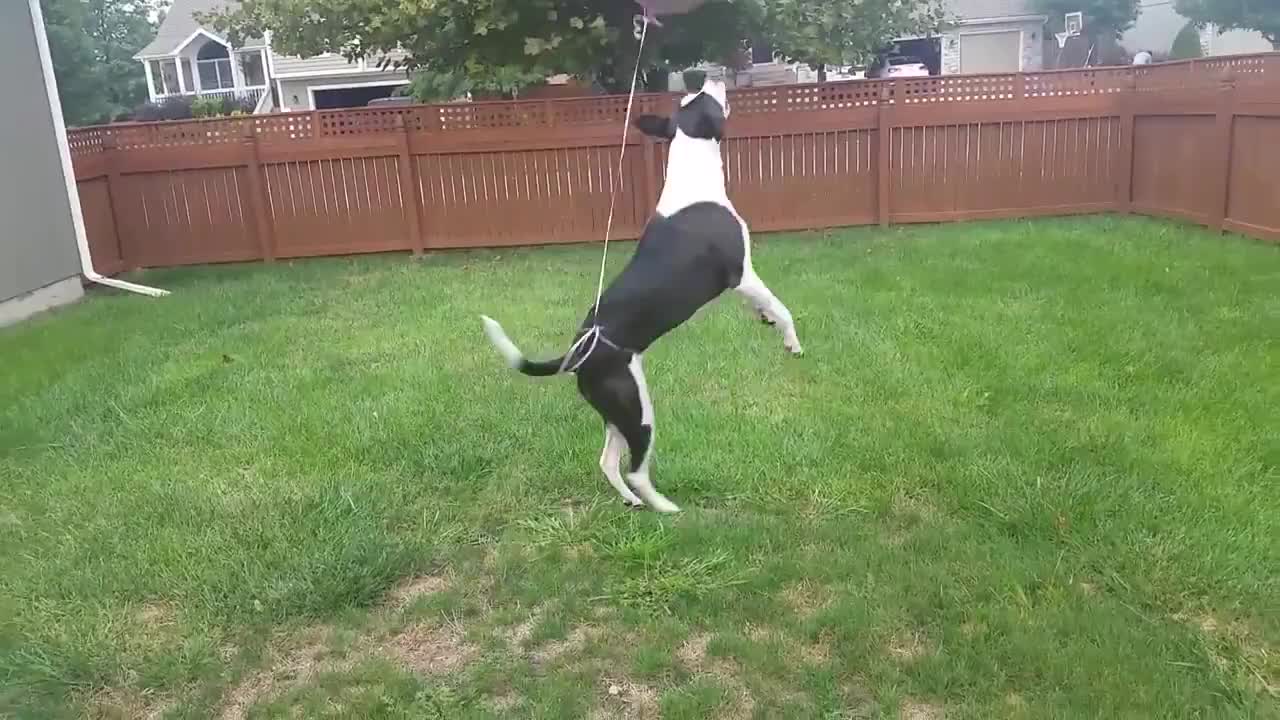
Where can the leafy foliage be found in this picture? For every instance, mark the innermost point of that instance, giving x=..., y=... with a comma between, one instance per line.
x=92, y=43
x=431, y=86
x=174, y=108
x=1236, y=15
x=187, y=107
x=1187, y=44
x=497, y=45
x=819, y=32
x=1103, y=19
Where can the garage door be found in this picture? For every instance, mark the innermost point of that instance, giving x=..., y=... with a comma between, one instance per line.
x=995, y=52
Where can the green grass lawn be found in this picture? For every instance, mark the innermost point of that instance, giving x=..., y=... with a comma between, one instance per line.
x=1025, y=470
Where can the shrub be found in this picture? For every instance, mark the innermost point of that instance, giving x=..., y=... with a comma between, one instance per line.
x=1187, y=44
x=174, y=108
x=206, y=107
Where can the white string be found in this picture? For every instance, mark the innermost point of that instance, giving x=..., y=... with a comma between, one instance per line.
x=593, y=334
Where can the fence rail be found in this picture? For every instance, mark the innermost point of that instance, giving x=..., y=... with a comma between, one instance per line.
x=1198, y=140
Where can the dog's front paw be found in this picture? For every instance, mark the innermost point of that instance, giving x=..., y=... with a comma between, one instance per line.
x=795, y=349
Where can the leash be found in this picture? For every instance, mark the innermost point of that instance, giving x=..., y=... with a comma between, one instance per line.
x=595, y=334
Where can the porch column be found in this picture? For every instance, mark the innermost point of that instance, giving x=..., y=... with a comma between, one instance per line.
x=151, y=81
x=237, y=77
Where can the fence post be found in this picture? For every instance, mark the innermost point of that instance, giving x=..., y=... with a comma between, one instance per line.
x=883, y=131
x=650, y=173
x=410, y=190
x=1225, y=118
x=262, y=227
x=111, y=160
x=1124, y=189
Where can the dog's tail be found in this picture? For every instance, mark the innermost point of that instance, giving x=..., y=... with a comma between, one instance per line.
x=514, y=357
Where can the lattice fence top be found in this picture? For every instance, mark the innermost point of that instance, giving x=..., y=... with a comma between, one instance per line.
x=86, y=141
x=1250, y=70
x=1242, y=69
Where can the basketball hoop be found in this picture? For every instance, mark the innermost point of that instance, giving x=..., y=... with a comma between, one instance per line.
x=1062, y=39
x=1073, y=23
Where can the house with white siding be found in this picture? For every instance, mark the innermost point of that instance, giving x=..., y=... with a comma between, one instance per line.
x=188, y=58
x=1159, y=23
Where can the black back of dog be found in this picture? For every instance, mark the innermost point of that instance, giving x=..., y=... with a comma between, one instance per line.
x=681, y=263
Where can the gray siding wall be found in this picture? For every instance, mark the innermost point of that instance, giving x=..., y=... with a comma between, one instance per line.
x=37, y=237
x=1032, y=55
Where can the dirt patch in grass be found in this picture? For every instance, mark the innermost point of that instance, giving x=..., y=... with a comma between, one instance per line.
x=117, y=704
x=155, y=616
x=517, y=635
x=908, y=512
x=817, y=652
x=429, y=649
x=859, y=702
x=406, y=592
x=506, y=702
x=908, y=646
x=573, y=644
x=1253, y=658
x=806, y=599
x=972, y=629
x=919, y=710
x=422, y=648
x=692, y=653
x=287, y=670
x=627, y=700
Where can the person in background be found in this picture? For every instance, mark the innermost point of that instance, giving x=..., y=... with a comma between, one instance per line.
x=1142, y=58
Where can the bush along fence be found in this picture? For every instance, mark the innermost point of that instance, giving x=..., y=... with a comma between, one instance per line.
x=1198, y=140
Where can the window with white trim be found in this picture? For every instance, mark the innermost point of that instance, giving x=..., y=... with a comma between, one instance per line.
x=164, y=77
x=252, y=68
x=214, y=65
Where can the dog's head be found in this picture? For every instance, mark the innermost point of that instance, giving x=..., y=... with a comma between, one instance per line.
x=701, y=116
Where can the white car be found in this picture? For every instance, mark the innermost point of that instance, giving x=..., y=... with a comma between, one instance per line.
x=899, y=66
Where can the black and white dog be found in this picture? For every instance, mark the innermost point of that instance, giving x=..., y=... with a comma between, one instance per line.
x=694, y=248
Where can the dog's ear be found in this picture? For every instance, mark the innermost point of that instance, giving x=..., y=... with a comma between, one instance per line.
x=655, y=126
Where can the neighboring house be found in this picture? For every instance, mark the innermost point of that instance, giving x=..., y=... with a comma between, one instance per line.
x=1159, y=23
x=993, y=36
x=39, y=261
x=985, y=36
x=188, y=58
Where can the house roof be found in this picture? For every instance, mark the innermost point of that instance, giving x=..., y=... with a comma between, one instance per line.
x=180, y=24
x=983, y=9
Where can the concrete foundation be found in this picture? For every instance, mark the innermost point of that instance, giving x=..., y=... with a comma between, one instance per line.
x=51, y=296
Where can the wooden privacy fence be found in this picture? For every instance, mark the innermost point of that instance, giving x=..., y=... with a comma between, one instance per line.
x=1197, y=140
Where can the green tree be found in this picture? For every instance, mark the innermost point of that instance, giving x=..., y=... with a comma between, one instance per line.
x=1260, y=15
x=823, y=32
x=92, y=43
x=1104, y=20
x=1186, y=44
x=496, y=45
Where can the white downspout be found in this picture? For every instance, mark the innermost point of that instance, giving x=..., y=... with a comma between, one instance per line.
x=68, y=170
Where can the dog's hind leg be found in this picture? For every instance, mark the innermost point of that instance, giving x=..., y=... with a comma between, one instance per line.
x=777, y=314
x=611, y=462
x=640, y=437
